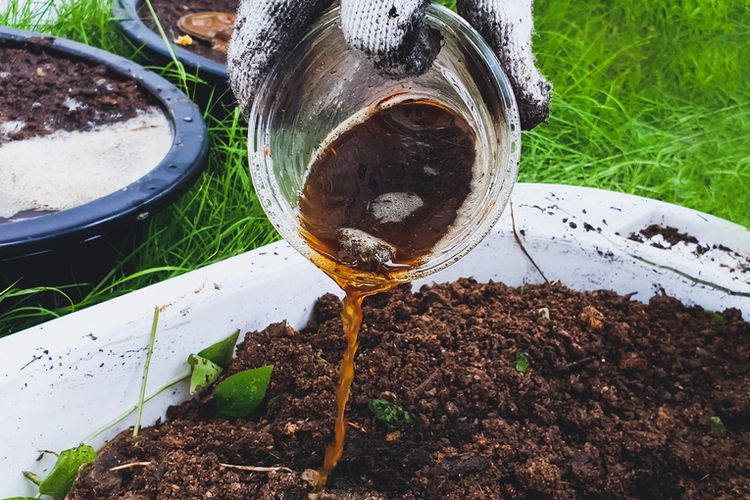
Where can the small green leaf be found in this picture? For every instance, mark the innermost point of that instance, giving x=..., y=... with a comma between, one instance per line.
x=391, y=414
x=64, y=473
x=717, y=427
x=204, y=373
x=522, y=362
x=222, y=351
x=716, y=318
x=34, y=478
x=240, y=394
x=544, y=313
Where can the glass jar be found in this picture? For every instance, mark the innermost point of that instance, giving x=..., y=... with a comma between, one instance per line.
x=322, y=83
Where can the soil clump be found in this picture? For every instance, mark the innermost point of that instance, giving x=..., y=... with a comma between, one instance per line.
x=670, y=234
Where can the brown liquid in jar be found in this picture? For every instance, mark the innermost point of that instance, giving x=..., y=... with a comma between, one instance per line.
x=375, y=202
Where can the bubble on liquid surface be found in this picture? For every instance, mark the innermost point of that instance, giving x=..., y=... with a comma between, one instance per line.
x=395, y=207
x=363, y=248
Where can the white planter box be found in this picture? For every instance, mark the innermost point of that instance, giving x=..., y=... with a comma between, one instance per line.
x=66, y=378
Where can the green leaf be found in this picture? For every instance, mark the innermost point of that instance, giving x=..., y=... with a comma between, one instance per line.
x=544, y=312
x=240, y=394
x=391, y=414
x=717, y=427
x=33, y=477
x=204, y=373
x=522, y=362
x=716, y=318
x=64, y=473
x=222, y=351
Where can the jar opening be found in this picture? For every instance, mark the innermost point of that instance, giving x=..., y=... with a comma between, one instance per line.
x=324, y=89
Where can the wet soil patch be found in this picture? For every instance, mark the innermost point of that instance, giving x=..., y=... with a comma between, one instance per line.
x=170, y=11
x=41, y=93
x=526, y=392
x=670, y=234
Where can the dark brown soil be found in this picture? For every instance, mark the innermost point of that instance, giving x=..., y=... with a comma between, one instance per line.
x=673, y=236
x=49, y=93
x=670, y=234
x=170, y=11
x=616, y=402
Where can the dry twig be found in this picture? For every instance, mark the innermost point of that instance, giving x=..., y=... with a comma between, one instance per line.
x=252, y=468
x=520, y=243
x=130, y=465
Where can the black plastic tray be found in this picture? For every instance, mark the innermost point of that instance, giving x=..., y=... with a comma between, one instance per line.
x=118, y=212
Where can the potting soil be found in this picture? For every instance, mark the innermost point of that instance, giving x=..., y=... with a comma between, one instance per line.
x=671, y=235
x=41, y=93
x=469, y=390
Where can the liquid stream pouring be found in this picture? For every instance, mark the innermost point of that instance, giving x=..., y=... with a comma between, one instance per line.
x=381, y=181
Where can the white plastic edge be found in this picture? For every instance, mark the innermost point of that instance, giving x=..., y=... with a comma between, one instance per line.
x=64, y=379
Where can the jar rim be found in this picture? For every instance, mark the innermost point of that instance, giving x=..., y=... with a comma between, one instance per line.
x=286, y=221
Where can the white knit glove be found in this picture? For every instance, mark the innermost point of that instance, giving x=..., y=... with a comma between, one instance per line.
x=393, y=33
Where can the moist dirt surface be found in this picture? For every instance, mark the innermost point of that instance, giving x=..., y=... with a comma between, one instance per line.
x=533, y=392
x=170, y=11
x=41, y=93
x=667, y=237
x=670, y=234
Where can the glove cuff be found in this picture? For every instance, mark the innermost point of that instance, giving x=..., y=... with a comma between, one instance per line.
x=393, y=33
x=508, y=26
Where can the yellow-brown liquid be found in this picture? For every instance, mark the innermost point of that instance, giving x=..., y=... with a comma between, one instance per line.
x=351, y=317
x=376, y=201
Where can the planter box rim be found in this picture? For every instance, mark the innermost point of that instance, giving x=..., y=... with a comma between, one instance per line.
x=68, y=377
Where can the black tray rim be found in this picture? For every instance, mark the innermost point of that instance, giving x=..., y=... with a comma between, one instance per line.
x=161, y=186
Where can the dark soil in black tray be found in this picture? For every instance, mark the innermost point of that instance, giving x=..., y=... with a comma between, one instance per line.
x=170, y=11
x=48, y=93
x=530, y=392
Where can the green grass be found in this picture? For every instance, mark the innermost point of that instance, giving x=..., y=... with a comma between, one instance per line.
x=651, y=98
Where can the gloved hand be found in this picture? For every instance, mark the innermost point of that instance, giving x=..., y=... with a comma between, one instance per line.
x=394, y=34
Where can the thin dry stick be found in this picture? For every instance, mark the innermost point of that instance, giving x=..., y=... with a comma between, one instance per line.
x=520, y=243
x=354, y=425
x=142, y=397
x=426, y=383
x=130, y=465
x=576, y=364
x=252, y=468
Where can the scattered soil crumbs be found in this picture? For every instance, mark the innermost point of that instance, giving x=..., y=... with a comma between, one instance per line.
x=41, y=93
x=670, y=234
x=617, y=400
x=170, y=11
